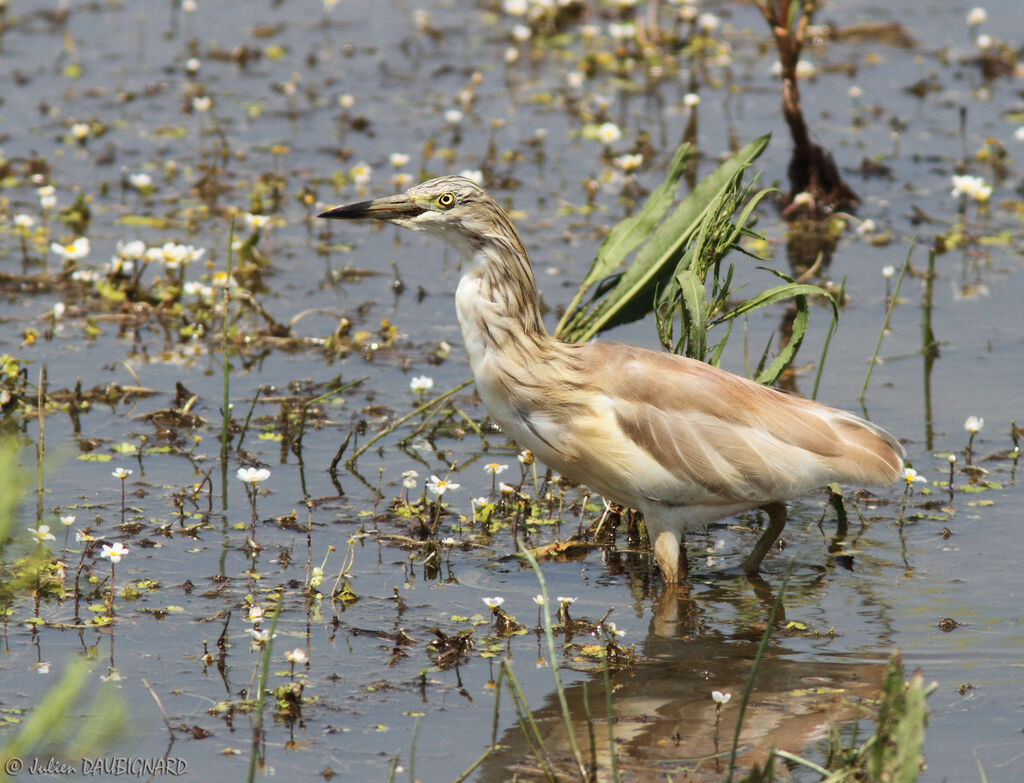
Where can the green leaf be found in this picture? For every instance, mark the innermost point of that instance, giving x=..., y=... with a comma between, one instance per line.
x=770, y=374
x=148, y=221
x=94, y=457
x=631, y=294
x=627, y=234
x=691, y=292
x=108, y=291
x=773, y=295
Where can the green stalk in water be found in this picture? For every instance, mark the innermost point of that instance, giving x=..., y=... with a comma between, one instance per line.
x=225, y=423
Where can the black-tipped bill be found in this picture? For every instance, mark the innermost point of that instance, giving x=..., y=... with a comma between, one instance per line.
x=387, y=208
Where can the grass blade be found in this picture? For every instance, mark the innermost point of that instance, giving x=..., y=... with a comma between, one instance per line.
x=885, y=322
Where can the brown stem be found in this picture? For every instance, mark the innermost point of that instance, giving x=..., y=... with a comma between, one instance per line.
x=811, y=168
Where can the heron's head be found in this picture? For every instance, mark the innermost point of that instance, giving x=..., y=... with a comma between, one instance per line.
x=455, y=208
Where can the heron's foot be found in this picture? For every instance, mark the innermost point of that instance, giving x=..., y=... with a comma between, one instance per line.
x=670, y=553
x=776, y=522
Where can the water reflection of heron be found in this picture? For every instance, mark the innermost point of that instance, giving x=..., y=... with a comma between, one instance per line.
x=667, y=723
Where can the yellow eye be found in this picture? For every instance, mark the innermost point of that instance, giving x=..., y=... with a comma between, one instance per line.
x=446, y=200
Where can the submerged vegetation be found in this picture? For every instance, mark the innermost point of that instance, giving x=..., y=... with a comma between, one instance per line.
x=245, y=498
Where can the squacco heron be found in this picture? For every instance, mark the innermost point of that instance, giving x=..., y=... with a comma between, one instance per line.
x=683, y=442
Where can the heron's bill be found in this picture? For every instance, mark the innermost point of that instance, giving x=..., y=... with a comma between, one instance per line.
x=386, y=208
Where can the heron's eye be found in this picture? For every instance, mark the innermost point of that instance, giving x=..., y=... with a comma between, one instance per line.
x=446, y=200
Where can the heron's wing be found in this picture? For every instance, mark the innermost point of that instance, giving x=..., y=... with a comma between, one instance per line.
x=721, y=436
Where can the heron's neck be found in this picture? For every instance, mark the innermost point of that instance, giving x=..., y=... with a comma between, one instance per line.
x=497, y=302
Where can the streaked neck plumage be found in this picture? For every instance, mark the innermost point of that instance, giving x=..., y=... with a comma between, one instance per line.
x=499, y=271
x=497, y=300
x=523, y=375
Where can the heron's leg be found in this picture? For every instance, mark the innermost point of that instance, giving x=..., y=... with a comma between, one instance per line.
x=776, y=521
x=670, y=552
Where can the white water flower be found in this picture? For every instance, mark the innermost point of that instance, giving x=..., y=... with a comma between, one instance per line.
x=140, y=181
x=253, y=475
x=421, y=384
x=609, y=133
x=85, y=276
x=47, y=196
x=806, y=70
x=629, y=162
x=194, y=288
x=720, y=697
x=974, y=424
x=622, y=32
x=361, y=173
x=131, y=251
x=708, y=22
x=911, y=477
x=494, y=602
x=72, y=252
x=439, y=485
x=298, y=655
x=42, y=533
x=114, y=553
x=255, y=222
x=973, y=187
x=173, y=255
x=976, y=16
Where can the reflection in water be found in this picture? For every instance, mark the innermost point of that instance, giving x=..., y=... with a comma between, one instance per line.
x=665, y=719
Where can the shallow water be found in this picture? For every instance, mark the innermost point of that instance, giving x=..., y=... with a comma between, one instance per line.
x=364, y=698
